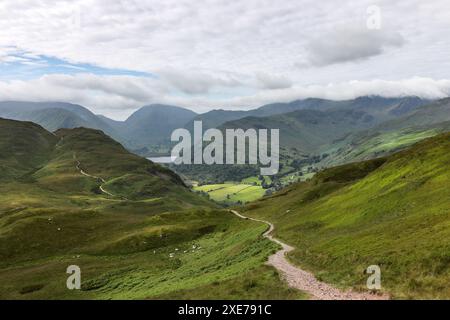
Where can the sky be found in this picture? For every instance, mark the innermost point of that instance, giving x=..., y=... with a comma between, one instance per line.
x=116, y=56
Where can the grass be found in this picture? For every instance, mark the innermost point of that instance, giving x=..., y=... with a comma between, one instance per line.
x=232, y=192
x=130, y=255
x=392, y=212
x=262, y=283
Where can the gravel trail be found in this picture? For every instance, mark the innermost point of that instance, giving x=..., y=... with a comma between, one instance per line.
x=304, y=280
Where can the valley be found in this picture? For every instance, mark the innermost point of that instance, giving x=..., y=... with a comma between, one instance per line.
x=355, y=188
x=224, y=159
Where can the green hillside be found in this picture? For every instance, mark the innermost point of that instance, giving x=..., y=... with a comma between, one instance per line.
x=392, y=212
x=391, y=136
x=25, y=148
x=148, y=237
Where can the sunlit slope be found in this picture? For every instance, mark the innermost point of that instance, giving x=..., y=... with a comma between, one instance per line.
x=392, y=212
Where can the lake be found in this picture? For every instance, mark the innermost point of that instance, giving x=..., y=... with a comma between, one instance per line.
x=167, y=159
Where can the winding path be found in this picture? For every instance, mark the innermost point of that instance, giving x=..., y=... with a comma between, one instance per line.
x=93, y=177
x=303, y=280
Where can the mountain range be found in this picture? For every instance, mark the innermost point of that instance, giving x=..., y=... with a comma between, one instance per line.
x=147, y=131
x=335, y=133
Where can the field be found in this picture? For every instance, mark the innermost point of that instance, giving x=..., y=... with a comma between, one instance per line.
x=254, y=180
x=232, y=192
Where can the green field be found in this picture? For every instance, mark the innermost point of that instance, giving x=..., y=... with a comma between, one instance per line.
x=391, y=212
x=232, y=192
x=254, y=180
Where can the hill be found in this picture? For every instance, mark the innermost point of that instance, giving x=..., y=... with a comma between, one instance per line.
x=25, y=148
x=392, y=212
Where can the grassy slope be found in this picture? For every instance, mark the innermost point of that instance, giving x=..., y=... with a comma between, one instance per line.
x=25, y=147
x=395, y=214
x=376, y=145
x=57, y=217
x=391, y=136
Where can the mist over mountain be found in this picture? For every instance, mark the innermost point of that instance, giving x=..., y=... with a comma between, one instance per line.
x=147, y=131
x=382, y=108
x=55, y=115
x=153, y=125
x=328, y=133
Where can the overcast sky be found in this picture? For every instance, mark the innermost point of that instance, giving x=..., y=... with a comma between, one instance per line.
x=115, y=56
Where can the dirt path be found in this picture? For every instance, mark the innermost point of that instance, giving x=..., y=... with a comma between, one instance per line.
x=303, y=280
x=93, y=177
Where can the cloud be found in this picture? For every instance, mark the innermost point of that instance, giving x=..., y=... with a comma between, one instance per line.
x=351, y=44
x=217, y=36
x=113, y=95
x=217, y=53
x=271, y=82
x=417, y=86
x=119, y=96
x=194, y=82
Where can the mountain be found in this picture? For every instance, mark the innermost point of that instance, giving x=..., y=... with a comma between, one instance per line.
x=426, y=116
x=147, y=131
x=308, y=130
x=392, y=212
x=215, y=118
x=322, y=133
x=149, y=128
x=54, y=115
x=153, y=125
x=379, y=107
x=303, y=134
